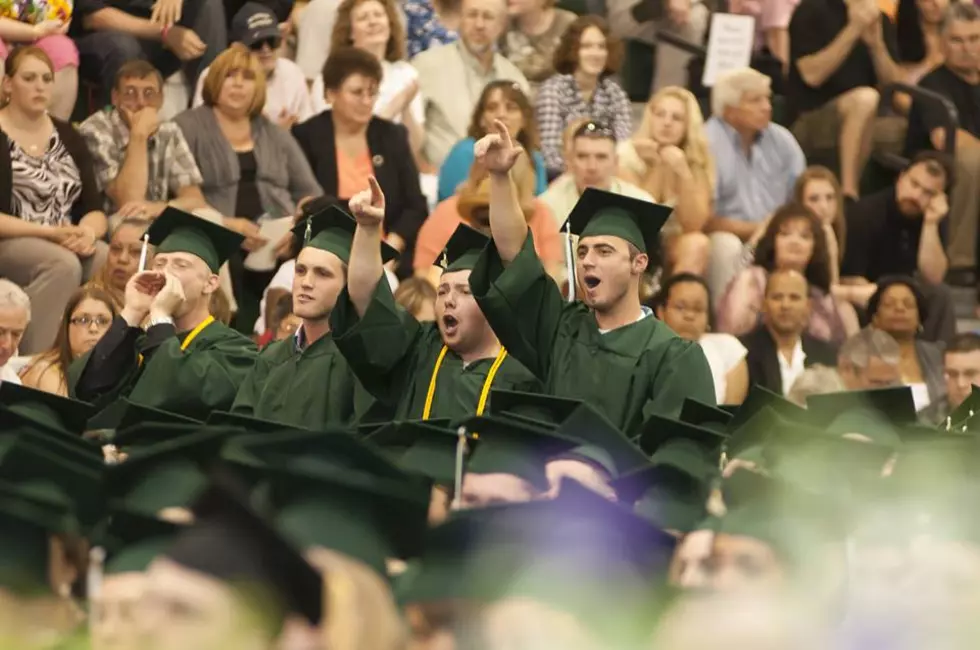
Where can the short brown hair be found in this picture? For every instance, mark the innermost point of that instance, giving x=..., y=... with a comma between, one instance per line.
x=936, y=163
x=528, y=137
x=236, y=57
x=567, y=53
x=413, y=293
x=23, y=52
x=345, y=62
x=137, y=69
x=394, y=50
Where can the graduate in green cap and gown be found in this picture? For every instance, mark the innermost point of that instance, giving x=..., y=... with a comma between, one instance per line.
x=440, y=370
x=185, y=361
x=607, y=350
x=304, y=380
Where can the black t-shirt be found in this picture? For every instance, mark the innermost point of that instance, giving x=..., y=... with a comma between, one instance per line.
x=248, y=203
x=814, y=25
x=924, y=117
x=881, y=240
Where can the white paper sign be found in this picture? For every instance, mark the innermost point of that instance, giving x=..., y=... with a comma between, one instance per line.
x=729, y=45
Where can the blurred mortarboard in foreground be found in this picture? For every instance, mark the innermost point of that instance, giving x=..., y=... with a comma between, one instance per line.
x=962, y=417
x=176, y=231
x=356, y=513
x=167, y=474
x=133, y=540
x=601, y=441
x=231, y=543
x=604, y=213
x=506, y=445
x=760, y=398
x=896, y=404
x=72, y=446
x=332, y=230
x=746, y=441
x=53, y=410
x=667, y=495
x=27, y=521
x=580, y=552
x=152, y=433
x=537, y=408
x=247, y=423
x=463, y=249
x=704, y=415
x=138, y=414
x=421, y=447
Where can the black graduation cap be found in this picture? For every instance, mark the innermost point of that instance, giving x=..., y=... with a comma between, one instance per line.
x=248, y=423
x=231, y=543
x=152, y=433
x=704, y=415
x=602, y=441
x=543, y=410
x=895, y=403
x=760, y=398
x=463, y=249
x=508, y=445
x=176, y=231
x=580, y=552
x=133, y=540
x=604, y=213
x=672, y=496
x=171, y=473
x=139, y=414
x=50, y=409
x=422, y=447
x=680, y=443
x=73, y=446
x=332, y=230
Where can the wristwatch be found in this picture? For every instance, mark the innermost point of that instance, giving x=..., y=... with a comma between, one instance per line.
x=160, y=320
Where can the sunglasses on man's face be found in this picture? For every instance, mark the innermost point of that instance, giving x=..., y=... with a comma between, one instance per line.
x=273, y=43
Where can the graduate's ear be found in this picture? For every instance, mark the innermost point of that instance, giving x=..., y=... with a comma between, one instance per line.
x=212, y=284
x=639, y=263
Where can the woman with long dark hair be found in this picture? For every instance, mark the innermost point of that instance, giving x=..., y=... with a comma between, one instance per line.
x=794, y=239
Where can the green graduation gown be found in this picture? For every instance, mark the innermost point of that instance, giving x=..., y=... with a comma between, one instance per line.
x=194, y=381
x=313, y=388
x=628, y=373
x=393, y=355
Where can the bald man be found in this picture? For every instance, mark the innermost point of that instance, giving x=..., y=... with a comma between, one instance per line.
x=779, y=349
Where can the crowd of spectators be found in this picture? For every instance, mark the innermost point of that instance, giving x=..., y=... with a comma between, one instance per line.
x=779, y=254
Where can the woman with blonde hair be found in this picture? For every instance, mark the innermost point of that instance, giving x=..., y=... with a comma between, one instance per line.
x=252, y=168
x=375, y=26
x=668, y=157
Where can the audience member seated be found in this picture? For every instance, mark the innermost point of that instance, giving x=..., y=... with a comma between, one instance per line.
x=375, y=26
x=87, y=318
x=815, y=380
x=500, y=100
x=901, y=230
x=958, y=79
x=870, y=359
x=592, y=162
x=431, y=23
x=779, y=348
x=793, y=240
x=961, y=362
x=287, y=97
x=471, y=206
x=684, y=303
x=917, y=31
x=452, y=77
x=348, y=144
x=280, y=321
x=840, y=52
x=15, y=315
x=756, y=162
x=771, y=25
x=668, y=157
x=252, y=168
x=141, y=163
x=534, y=31
x=418, y=297
x=51, y=220
x=172, y=37
x=686, y=19
x=898, y=308
x=818, y=189
x=49, y=34
x=586, y=62
x=122, y=261
x=313, y=23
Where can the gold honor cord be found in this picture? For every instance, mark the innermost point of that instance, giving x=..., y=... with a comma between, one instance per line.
x=190, y=337
x=484, y=393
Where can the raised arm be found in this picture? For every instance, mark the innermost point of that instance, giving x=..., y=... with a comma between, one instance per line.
x=366, y=269
x=498, y=152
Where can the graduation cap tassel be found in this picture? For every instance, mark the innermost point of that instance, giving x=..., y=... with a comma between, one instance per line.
x=93, y=581
x=146, y=242
x=458, y=476
x=569, y=262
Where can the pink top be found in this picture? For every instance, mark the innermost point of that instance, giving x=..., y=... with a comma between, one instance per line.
x=768, y=14
x=740, y=308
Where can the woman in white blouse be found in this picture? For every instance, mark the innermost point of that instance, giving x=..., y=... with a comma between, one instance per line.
x=375, y=26
x=684, y=304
